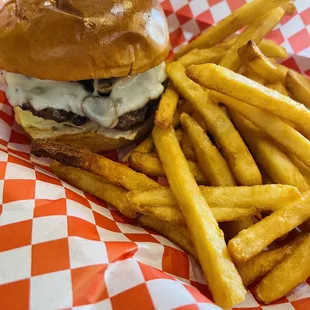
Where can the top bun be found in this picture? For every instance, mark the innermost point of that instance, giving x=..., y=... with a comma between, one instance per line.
x=72, y=40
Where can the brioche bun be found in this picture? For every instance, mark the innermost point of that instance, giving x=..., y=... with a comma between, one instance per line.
x=72, y=40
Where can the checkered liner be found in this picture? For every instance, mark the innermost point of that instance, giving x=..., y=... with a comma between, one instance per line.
x=61, y=248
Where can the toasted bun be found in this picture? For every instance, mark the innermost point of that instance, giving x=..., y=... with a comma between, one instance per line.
x=88, y=136
x=79, y=40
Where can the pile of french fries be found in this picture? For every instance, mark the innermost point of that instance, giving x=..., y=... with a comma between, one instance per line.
x=231, y=136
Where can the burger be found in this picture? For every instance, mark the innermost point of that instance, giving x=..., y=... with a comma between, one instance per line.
x=87, y=73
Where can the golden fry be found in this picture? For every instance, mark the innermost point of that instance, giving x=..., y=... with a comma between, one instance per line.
x=151, y=165
x=184, y=108
x=222, y=276
x=261, y=197
x=255, y=32
x=239, y=87
x=304, y=170
x=201, y=56
x=180, y=134
x=197, y=117
x=280, y=131
x=253, y=240
x=252, y=76
x=97, y=186
x=229, y=25
x=167, y=107
x=272, y=49
x=173, y=214
x=298, y=86
x=274, y=161
x=176, y=233
x=210, y=160
x=264, y=262
x=187, y=149
x=99, y=165
x=278, y=87
x=220, y=127
x=167, y=214
x=233, y=215
x=146, y=146
x=251, y=56
x=291, y=272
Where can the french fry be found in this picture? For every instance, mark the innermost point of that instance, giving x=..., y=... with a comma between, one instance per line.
x=184, y=108
x=272, y=49
x=239, y=87
x=97, y=186
x=175, y=216
x=229, y=25
x=216, y=53
x=180, y=134
x=167, y=107
x=233, y=215
x=266, y=178
x=220, y=127
x=254, y=239
x=146, y=146
x=255, y=32
x=298, y=86
x=274, y=161
x=187, y=149
x=168, y=214
x=279, y=88
x=262, y=197
x=264, y=262
x=251, y=56
x=210, y=160
x=232, y=228
x=201, y=56
x=289, y=8
x=304, y=170
x=291, y=272
x=197, y=117
x=176, y=233
x=286, y=136
x=151, y=165
x=99, y=165
x=222, y=276
x=252, y=76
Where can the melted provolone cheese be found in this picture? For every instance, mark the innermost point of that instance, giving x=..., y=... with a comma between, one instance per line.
x=128, y=94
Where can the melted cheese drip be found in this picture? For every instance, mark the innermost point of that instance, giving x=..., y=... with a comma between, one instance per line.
x=128, y=94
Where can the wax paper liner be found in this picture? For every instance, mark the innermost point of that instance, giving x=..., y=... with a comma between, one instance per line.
x=63, y=249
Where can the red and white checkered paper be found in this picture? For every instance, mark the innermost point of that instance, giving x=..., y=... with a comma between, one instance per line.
x=63, y=249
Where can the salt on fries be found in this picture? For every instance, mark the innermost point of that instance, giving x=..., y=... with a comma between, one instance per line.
x=229, y=116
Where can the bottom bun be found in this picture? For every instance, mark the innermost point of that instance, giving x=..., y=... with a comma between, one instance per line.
x=89, y=135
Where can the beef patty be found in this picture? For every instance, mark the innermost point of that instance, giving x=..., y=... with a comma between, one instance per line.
x=125, y=122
